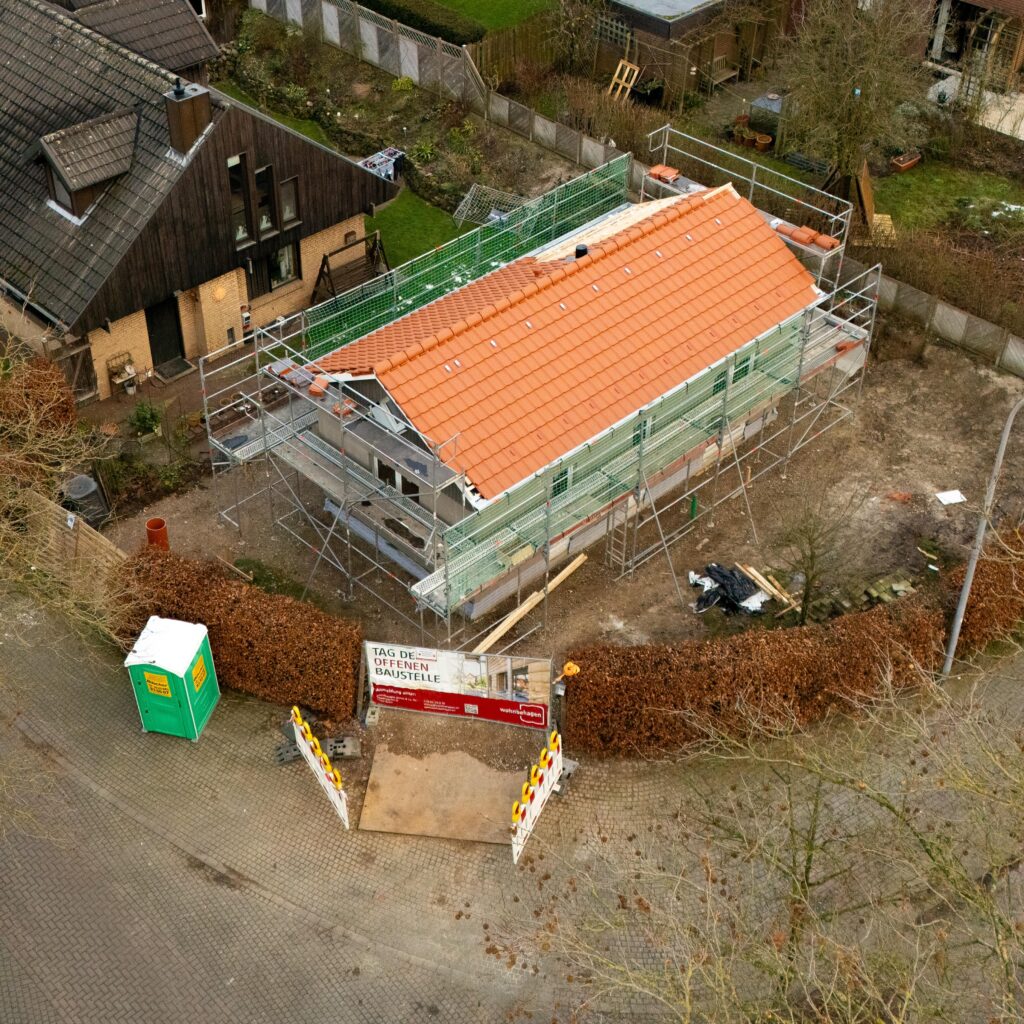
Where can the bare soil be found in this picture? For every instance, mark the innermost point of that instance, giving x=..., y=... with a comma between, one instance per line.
x=922, y=425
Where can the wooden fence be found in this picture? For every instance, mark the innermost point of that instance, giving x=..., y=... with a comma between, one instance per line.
x=499, y=53
x=65, y=548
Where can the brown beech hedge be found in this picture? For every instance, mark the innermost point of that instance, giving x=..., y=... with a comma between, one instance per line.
x=267, y=645
x=641, y=700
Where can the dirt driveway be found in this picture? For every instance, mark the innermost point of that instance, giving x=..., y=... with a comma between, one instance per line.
x=922, y=425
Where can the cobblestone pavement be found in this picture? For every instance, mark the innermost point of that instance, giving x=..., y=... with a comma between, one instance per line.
x=173, y=881
x=158, y=880
x=163, y=880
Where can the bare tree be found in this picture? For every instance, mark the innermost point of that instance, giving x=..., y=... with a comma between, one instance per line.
x=574, y=35
x=42, y=444
x=811, y=542
x=866, y=870
x=853, y=72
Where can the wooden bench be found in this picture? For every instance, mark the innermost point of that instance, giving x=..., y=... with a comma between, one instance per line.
x=721, y=70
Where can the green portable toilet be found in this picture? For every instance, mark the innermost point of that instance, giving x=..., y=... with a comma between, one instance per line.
x=172, y=674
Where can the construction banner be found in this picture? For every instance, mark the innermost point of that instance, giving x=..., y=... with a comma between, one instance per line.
x=495, y=688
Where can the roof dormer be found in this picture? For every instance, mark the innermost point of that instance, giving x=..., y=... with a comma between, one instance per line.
x=82, y=160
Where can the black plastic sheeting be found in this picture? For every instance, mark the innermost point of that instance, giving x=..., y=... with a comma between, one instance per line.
x=731, y=589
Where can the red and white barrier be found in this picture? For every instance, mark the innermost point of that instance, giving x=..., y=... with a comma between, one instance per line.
x=543, y=781
x=320, y=764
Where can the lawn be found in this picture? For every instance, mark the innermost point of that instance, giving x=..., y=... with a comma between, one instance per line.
x=308, y=128
x=409, y=226
x=497, y=15
x=924, y=196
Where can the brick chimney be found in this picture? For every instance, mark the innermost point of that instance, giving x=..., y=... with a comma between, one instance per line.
x=188, y=114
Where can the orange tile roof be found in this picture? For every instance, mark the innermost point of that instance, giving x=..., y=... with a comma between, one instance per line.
x=572, y=353
x=361, y=356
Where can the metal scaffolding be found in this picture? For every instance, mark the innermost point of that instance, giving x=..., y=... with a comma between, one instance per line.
x=638, y=487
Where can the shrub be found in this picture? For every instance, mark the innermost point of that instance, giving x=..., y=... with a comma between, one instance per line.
x=144, y=418
x=403, y=84
x=996, y=606
x=270, y=646
x=640, y=700
x=431, y=18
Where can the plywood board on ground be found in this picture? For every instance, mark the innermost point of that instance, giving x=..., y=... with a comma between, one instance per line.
x=447, y=794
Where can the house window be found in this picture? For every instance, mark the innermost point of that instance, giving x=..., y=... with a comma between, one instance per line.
x=290, y=201
x=284, y=265
x=387, y=474
x=719, y=385
x=350, y=238
x=741, y=368
x=273, y=271
x=560, y=483
x=241, y=226
x=199, y=6
x=641, y=431
x=411, y=489
x=266, y=212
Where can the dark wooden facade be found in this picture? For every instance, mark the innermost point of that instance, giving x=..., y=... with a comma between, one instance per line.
x=189, y=240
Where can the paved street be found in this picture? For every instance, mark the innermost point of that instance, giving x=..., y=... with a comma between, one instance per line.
x=160, y=880
x=148, y=879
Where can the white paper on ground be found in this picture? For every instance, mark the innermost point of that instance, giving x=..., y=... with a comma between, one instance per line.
x=950, y=497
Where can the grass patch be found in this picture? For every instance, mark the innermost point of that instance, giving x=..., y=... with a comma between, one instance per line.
x=409, y=226
x=268, y=579
x=308, y=128
x=924, y=196
x=497, y=15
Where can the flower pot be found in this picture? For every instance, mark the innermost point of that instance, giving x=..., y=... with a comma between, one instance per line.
x=741, y=120
x=904, y=161
x=750, y=139
x=762, y=142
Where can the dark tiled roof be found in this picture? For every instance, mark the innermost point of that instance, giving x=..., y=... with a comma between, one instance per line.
x=54, y=74
x=168, y=32
x=97, y=150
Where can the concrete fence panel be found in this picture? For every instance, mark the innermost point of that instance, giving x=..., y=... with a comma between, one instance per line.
x=592, y=152
x=258, y=5
x=545, y=131
x=312, y=17
x=368, y=41
x=278, y=9
x=409, y=58
x=984, y=338
x=329, y=20
x=567, y=141
x=388, y=57
x=1012, y=358
x=948, y=322
x=887, y=289
x=520, y=118
x=914, y=303
x=498, y=107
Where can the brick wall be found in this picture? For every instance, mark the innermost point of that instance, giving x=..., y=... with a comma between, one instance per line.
x=208, y=311
x=129, y=334
x=297, y=295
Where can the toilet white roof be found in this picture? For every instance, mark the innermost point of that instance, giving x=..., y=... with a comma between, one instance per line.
x=167, y=643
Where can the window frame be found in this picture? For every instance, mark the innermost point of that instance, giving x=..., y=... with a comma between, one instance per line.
x=297, y=219
x=296, y=266
x=241, y=161
x=560, y=481
x=272, y=203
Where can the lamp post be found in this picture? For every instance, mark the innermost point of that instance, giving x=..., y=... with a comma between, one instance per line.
x=979, y=538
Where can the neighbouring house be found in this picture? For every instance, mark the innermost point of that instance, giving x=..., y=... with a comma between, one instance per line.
x=585, y=357
x=145, y=221
x=683, y=45
x=976, y=53
x=167, y=32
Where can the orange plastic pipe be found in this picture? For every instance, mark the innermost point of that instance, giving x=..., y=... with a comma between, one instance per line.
x=156, y=534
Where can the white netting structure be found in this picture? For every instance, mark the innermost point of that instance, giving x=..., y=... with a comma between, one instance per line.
x=483, y=205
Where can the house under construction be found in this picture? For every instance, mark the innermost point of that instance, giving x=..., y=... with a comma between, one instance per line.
x=584, y=369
